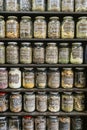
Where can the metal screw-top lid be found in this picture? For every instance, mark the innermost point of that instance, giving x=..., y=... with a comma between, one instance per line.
x=12, y=43
x=39, y=17
x=51, y=18
x=25, y=17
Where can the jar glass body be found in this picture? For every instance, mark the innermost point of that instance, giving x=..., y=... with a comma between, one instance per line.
x=2, y=27
x=2, y=53
x=11, y=5
x=40, y=123
x=53, y=5
x=80, y=5
x=68, y=5
x=25, y=5
x=64, y=123
x=38, y=5
x=3, y=102
x=3, y=123
x=1, y=5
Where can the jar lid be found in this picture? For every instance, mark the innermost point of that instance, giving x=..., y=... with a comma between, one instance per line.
x=1, y=43
x=79, y=92
x=54, y=93
x=27, y=117
x=53, y=69
x=25, y=17
x=68, y=93
x=12, y=43
x=41, y=69
x=67, y=68
x=53, y=117
x=28, y=68
x=14, y=117
x=14, y=68
x=41, y=92
x=25, y=43
x=54, y=18
x=64, y=44
x=29, y=93
x=2, y=17
x=83, y=17
x=2, y=68
x=12, y=17
x=68, y=17
x=38, y=43
x=52, y=43
x=15, y=92
x=2, y=93
x=76, y=43
x=40, y=116
x=2, y=118
x=40, y=17
x=79, y=68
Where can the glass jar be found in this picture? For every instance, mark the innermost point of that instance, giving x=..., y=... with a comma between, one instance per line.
x=68, y=5
x=54, y=102
x=25, y=27
x=11, y=5
x=3, y=102
x=14, y=123
x=27, y=123
x=40, y=123
x=3, y=123
x=38, y=53
x=67, y=102
x=67, y=78
x=54, y=27
x=79, y=101
x=41, y=101
x=3, y=78
x=81, y=27
x=40, y=27
x=2, y=53
x=80, y=78
x=29, y=101
x=15, y=102
x=51, y=53
x=1, y=5
x=41, y=78
x=68, y=26
x=76, y=56
x=85, y=57
x=25, y=5
x=80, y=5
x=12, y=27
x=77, y=123
x=28, y=78
x=53, y=5
x=38, y=5
x=14, y=78
x=64, y=53
x=53, y=78
x=2, y=27
x=64, y=123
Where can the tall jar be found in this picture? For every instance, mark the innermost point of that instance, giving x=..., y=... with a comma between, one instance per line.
x=40, y=27
x=11, y=5
x=38, y=53
x=81, y=27
x=53, y=5
x=51, y=53
x=40, y=123
x=12, y=54
x=54, y=27
x=64, y=123
x=80, y=5
x=2, y=53
x=68, y=5
x=76, y=56
x=1, y=5
x=3, y=123
x=25, y=5
x=12, y=27
x=25, y=27
x=38, y=5
x=2, y=27
x=68, y=26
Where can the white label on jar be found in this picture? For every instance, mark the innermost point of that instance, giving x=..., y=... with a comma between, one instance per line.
x=12, y=27
x=14, y=78
x=41, y=78
x=81, y=3
x=2, y=28
x=25, y=4
x=82, y=28
x=2, y=53
x=41, y=103
x=25, y=28
x=63, y=53
x=40, y=124
x=40, y=27
x=53, y=124
x=54, y=102
x=39, y=3
x=28, y=124
x=3, y=79
x=68, y=27
x=54, y=3
x=28, y=77
x=77, y=52
x=11, y=3
x=68, y=101
x=16, y=102
x=80, y=78
x=67, y=80
x=68, y=3
x=38, y=53
x=3, y=126
x=1, y=3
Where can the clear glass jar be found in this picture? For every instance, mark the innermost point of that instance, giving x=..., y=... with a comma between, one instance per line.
x=25, y=27
x=28, y=78
x=29, y=101
x=68, y=26
x=67, y=78
x=77, y=123
x=38, y=5
x=64, y=123
x=68, y=5
x=54, y=27
x=15, y=102
x=3, y=123
x=25, y=5
x=51, y=53
x=76, y=56
x=80, y=5
x=2, y=53
x=2, y=27
x=41, y=78
x=38, y=53
x=14, y=78
x=3, y=78
x=40, y=27
x=1, y=5
x=11, y=5
x=67, y=102
x=53, y=78
x=40, y=123
x=53, y=5
x=41, y=101
x=12, y=27
x=54, y=102
x=81, y=27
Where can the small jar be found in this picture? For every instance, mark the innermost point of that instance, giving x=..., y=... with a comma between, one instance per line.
x=25, y=27
x=54, y=27
x=26, y=53
x=38, y=5
x=15, y=102
x=29, y=101
x=27, y=123
x=25, y=5
x=41, y=78
x=28, y=78
x=67, y=78
x=53, y=5
x=12, y=27
x=14, y=78
x=2, y=53
x=64, y=53
x=53, y=78
x=3, y=102
x=67, y=102
x=68, y=26
x=1, y=5
x=77, y=123
x=11, y=5
x=41, y=102
x=3, y=78
x=12, y=53
x=79, y=101
x=64, y=123
x=76, y=56
x=40, y=123
x=67, y=5
x=80, y=5
x=81, y=27
x=3, y=123
x=2, y=27
x=54, y=102
x=40, y=27
x=51, y=53
x=38, y=53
